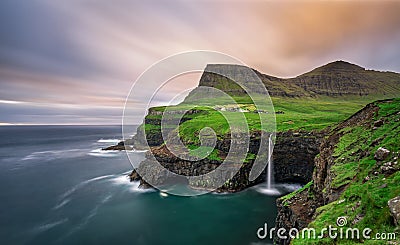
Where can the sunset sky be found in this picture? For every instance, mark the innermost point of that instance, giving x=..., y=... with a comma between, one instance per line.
x=73, y=62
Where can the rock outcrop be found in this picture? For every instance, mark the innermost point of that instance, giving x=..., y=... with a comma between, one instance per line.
x=381, y=154
x=293, y=161
x=394, y=207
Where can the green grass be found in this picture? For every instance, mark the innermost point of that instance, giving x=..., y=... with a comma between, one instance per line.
x=304, y=114
x=203, y=152
x=367, y=198
x=292, y=194
x=311, y=114
x=298, y=114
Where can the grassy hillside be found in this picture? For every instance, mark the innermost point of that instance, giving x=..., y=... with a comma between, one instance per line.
x=368, y=184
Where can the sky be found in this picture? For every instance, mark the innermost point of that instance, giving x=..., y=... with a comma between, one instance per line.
x=74, y=62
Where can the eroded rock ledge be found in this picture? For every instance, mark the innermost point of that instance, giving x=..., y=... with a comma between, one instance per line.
x=293, y=156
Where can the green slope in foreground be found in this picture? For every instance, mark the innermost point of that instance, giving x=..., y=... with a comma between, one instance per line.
x=368, y=184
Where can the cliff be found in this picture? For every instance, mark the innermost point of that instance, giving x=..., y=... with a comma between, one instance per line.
x=304, y=106
x=355, y=176
x=293, y=160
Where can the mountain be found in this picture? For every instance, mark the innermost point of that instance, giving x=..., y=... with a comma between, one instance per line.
x=336, y=79
x=305, y=107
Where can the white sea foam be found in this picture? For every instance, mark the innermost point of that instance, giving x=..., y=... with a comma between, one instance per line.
x=277, y=189
x=113, y=141
x=48, y=226
x=62, y=204
x=100, y=153
x=268, y=191
x=224, y=193
x=139, y=151
x=85, y=221
x=127, y=172
x=120, y=180
x=56, y=154
x=83, y=183
x=289, y=187
x=106, y=199
x=133, y=186
x=163, y=194
x=93, y=212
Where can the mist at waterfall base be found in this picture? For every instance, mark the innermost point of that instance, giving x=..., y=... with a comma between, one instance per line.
x=270, y=188
x=58, y=186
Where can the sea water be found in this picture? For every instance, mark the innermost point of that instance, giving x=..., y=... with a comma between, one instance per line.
x=58, y=187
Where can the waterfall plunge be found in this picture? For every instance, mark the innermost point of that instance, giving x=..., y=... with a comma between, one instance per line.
x=268, y=187
x=270, y=169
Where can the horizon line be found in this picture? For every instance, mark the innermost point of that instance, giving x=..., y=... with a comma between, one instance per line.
x=28, y=124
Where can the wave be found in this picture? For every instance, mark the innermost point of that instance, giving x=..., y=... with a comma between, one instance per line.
x=85, y=220
x=127, y=172
x=93, y=212
x=52, y=155
x=100, y=153
x=83, y=183
x=139, y=151
x=62, y=204
x=133, y=186
x=223, y=193
x=48, y=226
x=114, y=141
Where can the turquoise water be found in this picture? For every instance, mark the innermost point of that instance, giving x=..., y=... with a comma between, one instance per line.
x=57, y=187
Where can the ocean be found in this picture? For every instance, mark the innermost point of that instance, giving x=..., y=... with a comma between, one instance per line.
x=58, y=187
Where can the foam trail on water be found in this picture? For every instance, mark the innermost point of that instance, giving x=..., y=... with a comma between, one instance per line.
x=80, y=185
x=52, y=155
x=133, y=186
x=63, y=203
x=100, y=153
x=114, y=141
x=48, y=226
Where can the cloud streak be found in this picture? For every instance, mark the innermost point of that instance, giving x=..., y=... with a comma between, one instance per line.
x=88, y=53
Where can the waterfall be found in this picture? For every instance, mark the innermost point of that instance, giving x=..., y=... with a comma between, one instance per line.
x=270, y=168
x=269, y=188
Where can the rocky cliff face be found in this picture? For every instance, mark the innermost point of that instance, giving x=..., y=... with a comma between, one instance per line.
x=293, y=160
x=293, y=155
x=348, y=160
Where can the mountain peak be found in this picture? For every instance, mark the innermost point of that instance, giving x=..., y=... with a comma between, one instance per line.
x=337, y=78
x=339, y=66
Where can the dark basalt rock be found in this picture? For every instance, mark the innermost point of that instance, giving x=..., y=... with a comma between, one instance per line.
x=119, y=147
x=294, y=154
x=293, y=161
